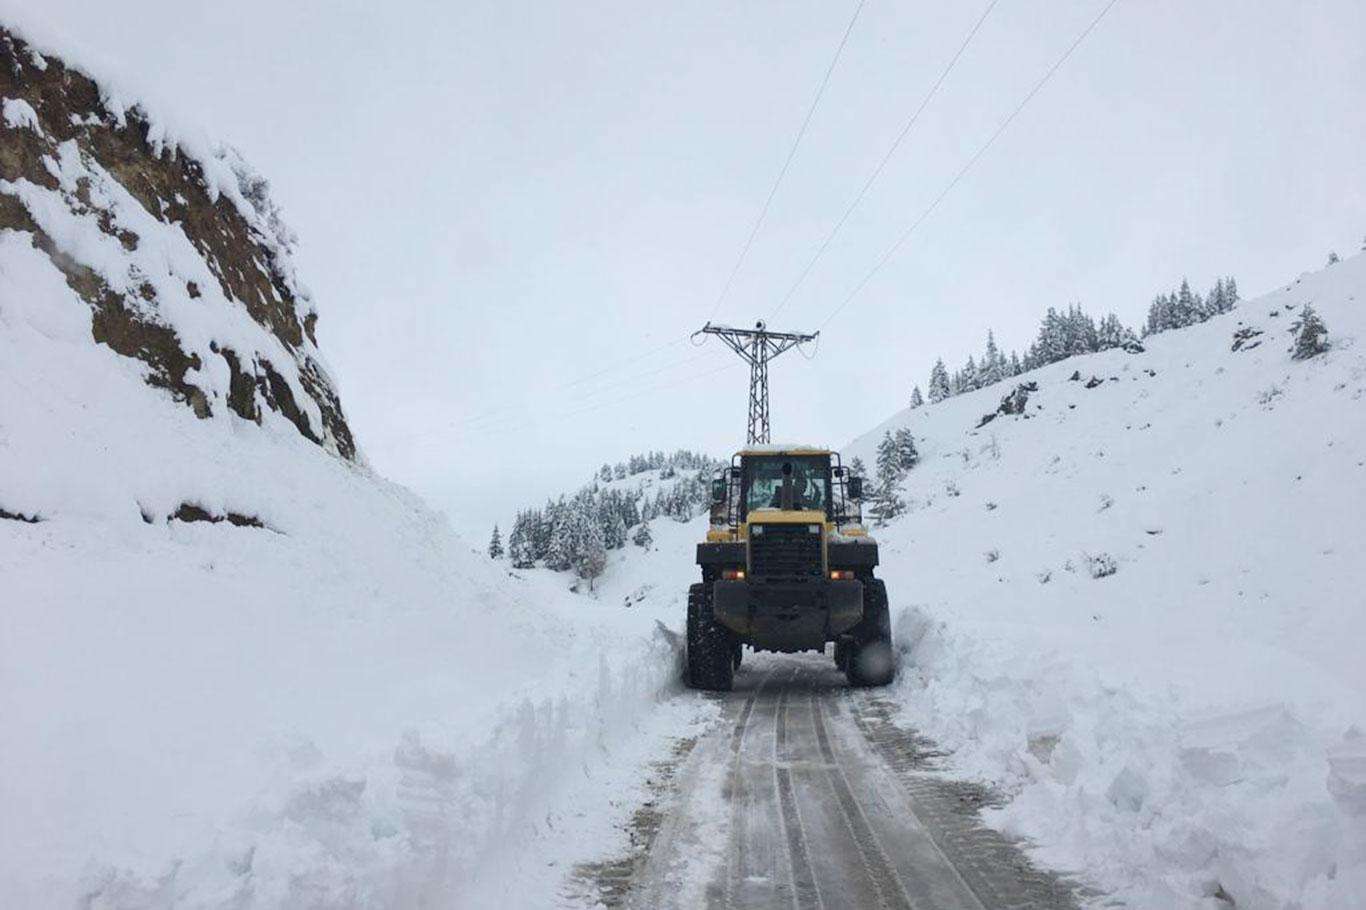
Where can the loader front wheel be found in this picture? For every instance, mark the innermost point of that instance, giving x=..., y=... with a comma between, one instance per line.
x=711, y=646
x=870, y=659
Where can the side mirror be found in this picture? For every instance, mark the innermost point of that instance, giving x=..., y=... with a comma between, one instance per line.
x=855, y=487
x=719, y=489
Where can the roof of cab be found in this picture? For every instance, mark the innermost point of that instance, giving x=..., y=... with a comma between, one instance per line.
x=783, y=449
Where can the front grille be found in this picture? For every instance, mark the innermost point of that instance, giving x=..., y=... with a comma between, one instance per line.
x=784, y=551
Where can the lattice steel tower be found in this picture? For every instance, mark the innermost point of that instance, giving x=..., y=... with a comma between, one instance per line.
x=757, y=346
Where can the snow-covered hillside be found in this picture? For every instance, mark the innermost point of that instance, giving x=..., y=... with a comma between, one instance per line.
x=583, y=534
x=1139, y=607
x=236, y=667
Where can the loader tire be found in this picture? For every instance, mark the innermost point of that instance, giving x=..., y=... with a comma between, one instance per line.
x=871, y=660
x=711, y=646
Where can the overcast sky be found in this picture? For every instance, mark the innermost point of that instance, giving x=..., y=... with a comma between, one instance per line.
x=499, y=199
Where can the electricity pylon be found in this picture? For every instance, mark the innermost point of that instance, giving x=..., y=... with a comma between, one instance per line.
x=757, y=346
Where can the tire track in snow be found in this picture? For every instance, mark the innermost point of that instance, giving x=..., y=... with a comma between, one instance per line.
x=803, y=878
x=890, y=890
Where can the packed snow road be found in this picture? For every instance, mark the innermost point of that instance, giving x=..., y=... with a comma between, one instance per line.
x=805, y=796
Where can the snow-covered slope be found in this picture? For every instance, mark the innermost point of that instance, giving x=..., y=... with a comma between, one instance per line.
x=237, y=668
x=1190, y=726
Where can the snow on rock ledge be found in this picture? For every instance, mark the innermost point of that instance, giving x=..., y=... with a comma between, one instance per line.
x=178, y=251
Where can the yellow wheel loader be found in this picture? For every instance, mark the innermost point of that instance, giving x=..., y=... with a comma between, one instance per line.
x=787, y=566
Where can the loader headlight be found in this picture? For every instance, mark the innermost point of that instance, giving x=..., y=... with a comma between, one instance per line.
x=733, y=574
x=841, y=575
x=814, y=529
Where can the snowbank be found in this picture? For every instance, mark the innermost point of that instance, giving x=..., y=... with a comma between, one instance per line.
x=1139, y=610
x=345, y=706
x=331, y=702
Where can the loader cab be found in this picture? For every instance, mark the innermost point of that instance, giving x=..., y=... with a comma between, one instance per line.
x=761, y=482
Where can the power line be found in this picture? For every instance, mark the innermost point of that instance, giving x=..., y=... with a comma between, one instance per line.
x=493, y=419
x=782, y=172
x=877, y=171
x=906, y=234
x=493, y=415
x=519, y=421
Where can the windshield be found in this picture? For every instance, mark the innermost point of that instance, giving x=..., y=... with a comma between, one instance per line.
x=764, y=478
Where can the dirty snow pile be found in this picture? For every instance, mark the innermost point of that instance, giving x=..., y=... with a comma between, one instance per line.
x=303, y=690
x=1140, y=608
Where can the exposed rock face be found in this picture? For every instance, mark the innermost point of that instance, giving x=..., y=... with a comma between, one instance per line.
x=179, y=252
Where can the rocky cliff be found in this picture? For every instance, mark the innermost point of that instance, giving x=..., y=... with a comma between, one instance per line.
x=174, y=244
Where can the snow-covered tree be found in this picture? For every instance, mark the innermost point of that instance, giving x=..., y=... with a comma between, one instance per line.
x=856, y=467
x=886, y=505
x=1188, y=307
x=916, y=398
x=589, y=557
x=1333, y=258
x=906, y=455
x=993, y=366
x=970, y=380
x=495, y=545
x=642, y=536
x=519, y=543
x=1052, y=343
x=1311, y=335
x=562, y=546
x=939, y=382
x=888, y=460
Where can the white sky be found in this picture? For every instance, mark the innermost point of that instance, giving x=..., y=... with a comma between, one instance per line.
x=498, y=198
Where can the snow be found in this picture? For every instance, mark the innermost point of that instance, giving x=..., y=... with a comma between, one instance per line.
x=1191, y=724
x=169, y=131
x=19, y=114
x=163, y=257
x=346, y=707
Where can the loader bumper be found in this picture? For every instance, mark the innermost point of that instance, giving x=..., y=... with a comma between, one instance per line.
x=786, y=615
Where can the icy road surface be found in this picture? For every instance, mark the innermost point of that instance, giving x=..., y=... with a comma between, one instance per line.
x=805, y=796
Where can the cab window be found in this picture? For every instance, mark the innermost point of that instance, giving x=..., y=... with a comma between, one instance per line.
x=764, y=483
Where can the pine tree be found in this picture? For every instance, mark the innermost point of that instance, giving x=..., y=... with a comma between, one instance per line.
x=916, y=398
x=1311, y=335
x=642, y=536
x=888, y=461
x=519, y=543
x=1187, y=310
x=1214, y=300
x=1051, y=345
x=1231, y=297
x=495, y=545
x=591, y=558
x=543, y=529
x=970, y=380
x=939, y=382
x=1079, y=332
x=906, y=455
x=993, y=364
x=561, y=546
x=1016, y=367
x=886, y=504
x=1110, y=333
x=1333, y=258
